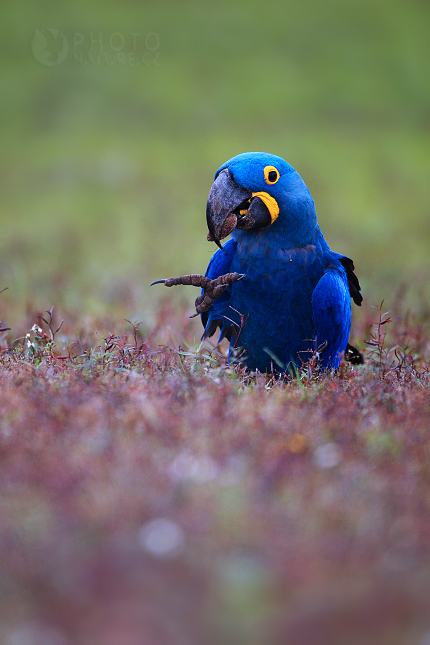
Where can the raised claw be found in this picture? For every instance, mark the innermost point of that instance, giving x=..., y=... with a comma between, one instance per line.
x=212, y=289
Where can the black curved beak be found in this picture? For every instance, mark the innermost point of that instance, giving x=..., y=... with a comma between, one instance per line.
x=224, y=205
x=231, y=206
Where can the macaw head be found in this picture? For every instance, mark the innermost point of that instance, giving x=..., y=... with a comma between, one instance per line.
x=255, y=191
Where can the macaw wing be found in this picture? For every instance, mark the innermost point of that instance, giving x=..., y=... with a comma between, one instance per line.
x=353, y=283
x=214, y=317
x=331, y=309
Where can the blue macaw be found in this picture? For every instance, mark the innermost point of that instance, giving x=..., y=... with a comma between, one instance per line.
x=288, y=296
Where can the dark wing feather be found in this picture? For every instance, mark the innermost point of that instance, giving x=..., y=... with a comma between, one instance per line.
x=353, y=283
x=353, y=355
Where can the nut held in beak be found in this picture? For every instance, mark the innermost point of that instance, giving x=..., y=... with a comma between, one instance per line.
x=228, y=226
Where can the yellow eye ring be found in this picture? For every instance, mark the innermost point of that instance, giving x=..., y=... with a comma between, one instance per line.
x=271, y=174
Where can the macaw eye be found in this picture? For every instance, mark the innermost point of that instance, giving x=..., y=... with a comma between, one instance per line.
x=271, y=174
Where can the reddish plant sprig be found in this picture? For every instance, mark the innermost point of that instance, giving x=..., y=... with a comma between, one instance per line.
x=50, y=321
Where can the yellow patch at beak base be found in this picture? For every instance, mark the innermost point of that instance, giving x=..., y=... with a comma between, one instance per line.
x=270, y=202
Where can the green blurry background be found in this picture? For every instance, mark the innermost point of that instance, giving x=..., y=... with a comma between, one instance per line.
x=115, y=116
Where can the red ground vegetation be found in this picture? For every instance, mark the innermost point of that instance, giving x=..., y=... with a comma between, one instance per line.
x=156, y=495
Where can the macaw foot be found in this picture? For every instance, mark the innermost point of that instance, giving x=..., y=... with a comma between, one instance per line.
x=212, y=289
